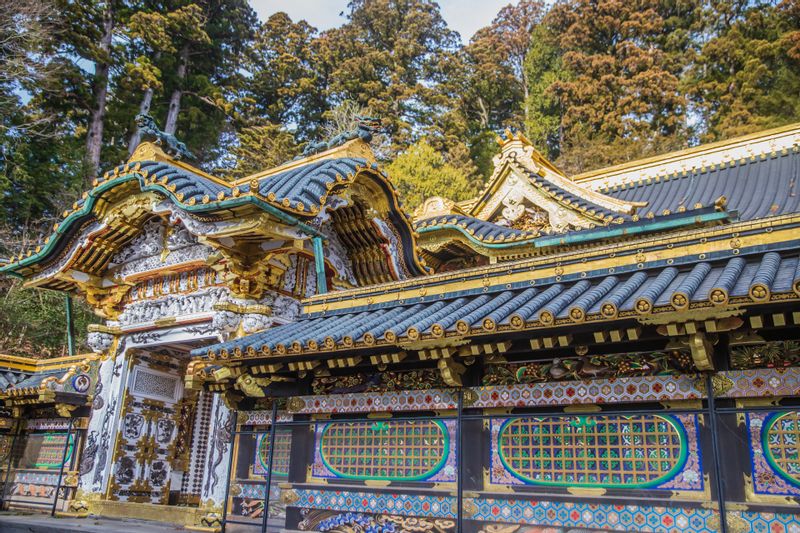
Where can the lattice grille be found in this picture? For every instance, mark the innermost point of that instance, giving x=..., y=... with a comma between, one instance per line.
x=642, y=450
x=283, y=448
x=411, y=450
x=150, y=384
x=782, y=444
x=47, y=450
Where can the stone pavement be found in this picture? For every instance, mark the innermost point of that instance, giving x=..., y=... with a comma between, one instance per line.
x=18, y=522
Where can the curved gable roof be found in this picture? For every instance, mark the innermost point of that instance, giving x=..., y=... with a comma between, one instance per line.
x=294, y=193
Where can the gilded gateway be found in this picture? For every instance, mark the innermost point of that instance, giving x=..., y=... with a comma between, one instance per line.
x=613, y=351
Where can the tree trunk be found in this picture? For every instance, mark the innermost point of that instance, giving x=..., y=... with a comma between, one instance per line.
x=484, y=114
x=175, y=99
x=144, y=109
x=94, y=135
x=526, y=95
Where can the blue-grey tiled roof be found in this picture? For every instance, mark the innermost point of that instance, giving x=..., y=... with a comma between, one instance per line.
x=9, y=378
x=35, y=379
x=306, y=185
x=603, y=296
x=503, y=236
x=296, y=193
x=480, y=229
x=755, y=188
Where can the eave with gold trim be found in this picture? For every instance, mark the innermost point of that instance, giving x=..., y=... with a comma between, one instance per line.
x=61, y=381
x=682, y=274
x=696, y=285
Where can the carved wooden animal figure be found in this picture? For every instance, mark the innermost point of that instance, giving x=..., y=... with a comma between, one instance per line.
x=168, y=141
x=87, y=461
x=365, y=128
x=590, y=369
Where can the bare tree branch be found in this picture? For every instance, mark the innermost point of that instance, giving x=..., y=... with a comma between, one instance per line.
x=26, y=60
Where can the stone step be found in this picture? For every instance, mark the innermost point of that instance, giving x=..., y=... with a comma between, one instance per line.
x=15, y=522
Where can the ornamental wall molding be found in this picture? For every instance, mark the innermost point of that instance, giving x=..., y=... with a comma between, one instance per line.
x=243, y=316
x=149, y=254
x=99, y=342
x=178, y=305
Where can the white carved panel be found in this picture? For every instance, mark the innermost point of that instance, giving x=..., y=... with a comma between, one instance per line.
x=155, y=385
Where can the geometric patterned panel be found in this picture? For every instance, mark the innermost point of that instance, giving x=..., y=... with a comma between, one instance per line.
x=367, y=502
x=46, y=450
x=763, y=522
x=261, y=418
x=775, y=452
x=155, y=385
x=409, y=400
x=148, y=431
x=761, y=382
x=605, y=517
x=625, y=389
x=635, y=451
x=781, y=438
x=414, y=450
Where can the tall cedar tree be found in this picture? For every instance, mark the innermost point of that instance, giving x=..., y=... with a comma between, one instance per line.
x=386, y=58
x=200, y=80
x=278, y=90
x=488, y=84
x=153, y=35
x=747, y=75
x=90, y=27
x=621, y=96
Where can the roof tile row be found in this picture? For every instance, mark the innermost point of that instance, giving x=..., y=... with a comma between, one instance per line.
x=753, y=278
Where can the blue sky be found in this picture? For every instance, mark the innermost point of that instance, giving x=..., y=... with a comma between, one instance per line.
x=464, y=16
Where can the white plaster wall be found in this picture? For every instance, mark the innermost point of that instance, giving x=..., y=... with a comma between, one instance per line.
x=220, y=442
x=104, y=423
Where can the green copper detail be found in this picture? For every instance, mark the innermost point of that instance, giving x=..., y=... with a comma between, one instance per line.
x=319, y=266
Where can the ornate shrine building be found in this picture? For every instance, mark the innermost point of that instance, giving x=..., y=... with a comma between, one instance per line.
x=292, y=351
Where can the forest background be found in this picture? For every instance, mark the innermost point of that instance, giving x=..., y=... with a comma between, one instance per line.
x=590, y=82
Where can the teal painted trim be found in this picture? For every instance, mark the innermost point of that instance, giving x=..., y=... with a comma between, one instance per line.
x=585, y=236
x=97, y=191
x=319, y=265
x=768, y=455
x=677, y=467
x=660, y=225
x=430, y=473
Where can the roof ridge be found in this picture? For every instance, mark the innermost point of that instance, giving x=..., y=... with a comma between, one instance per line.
x=743, y=147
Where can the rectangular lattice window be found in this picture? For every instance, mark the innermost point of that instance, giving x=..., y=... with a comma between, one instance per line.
x=155, y=385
